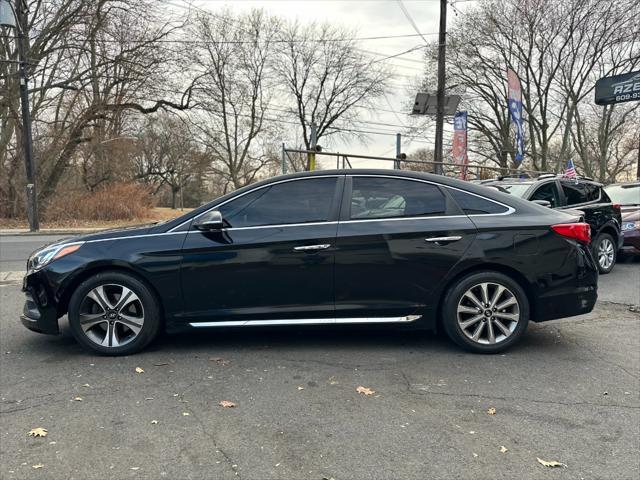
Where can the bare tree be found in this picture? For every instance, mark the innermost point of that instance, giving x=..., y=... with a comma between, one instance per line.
x=233, y=59
x=326, y=78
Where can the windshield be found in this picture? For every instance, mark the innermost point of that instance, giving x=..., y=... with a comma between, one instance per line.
x=624, y=194
x=516, y=189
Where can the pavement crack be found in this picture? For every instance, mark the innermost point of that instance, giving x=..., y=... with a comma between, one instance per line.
x=411, y=391
x=228, y=460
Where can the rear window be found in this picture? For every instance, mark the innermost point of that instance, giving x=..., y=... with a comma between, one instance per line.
x=475, y=205
x=624, y=194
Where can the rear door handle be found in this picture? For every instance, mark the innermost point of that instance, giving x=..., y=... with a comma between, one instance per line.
x=443, y=240
x=312, y=248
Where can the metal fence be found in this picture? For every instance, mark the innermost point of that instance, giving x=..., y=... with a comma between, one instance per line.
x=300, y=160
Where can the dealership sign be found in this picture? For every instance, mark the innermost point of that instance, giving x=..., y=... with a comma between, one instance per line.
x=619, y=88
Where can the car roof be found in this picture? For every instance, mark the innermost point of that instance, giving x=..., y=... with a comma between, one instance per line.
x=481, y=190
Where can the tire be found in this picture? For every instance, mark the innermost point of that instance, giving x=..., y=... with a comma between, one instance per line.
x=113, y=313
x=461, y=316
x=605, y=252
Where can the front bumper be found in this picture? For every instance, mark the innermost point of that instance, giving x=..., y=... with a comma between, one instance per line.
x=631, y=242
x=39, y=313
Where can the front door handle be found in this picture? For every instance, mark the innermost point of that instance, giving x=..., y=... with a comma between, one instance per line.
x=312, y=248
x=443, y=240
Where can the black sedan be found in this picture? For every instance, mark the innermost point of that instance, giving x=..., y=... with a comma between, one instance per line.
x=324, y=248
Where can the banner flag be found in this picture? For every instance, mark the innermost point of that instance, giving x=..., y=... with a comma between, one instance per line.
x=460, y=142
x=514, y=97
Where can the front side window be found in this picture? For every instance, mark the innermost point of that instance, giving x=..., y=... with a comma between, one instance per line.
x=475, y=205
x=548, y=192
x=575, y=193
x=299, y=201
x=392, y=198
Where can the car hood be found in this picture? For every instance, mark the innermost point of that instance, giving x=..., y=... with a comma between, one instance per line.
x=109, y=234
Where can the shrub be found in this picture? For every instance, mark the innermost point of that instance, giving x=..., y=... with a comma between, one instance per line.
x=118, y=201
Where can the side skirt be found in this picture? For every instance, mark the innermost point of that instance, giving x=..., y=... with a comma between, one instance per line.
x=307, y=321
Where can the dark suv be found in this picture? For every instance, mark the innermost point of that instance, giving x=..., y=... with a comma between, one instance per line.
x=578, y=194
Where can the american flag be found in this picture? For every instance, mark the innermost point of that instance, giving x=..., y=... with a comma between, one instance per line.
x=570, y=171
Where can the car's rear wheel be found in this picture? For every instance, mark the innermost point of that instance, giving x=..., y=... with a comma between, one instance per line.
x=604, y=249
x=485, y=312
x=113, y=313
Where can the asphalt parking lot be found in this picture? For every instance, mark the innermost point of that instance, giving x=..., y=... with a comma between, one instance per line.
x=570, y=392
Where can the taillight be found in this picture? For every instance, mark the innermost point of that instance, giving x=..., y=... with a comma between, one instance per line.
x=577, y=231
x=616, y=206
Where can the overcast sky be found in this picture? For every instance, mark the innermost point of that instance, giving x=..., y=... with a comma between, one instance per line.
x=370, y=18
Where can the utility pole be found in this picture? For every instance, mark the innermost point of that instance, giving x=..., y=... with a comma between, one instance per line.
x=398, y=150
x=442, y=38
x=32, y=197
x=284, y=162
x=314, y=141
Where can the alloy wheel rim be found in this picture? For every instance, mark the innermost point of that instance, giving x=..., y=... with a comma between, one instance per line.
x=111, y=315
x=488, y=313
x=605, y=253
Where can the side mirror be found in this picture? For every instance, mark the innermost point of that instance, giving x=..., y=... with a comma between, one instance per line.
x=543, y=203
x=209, y=221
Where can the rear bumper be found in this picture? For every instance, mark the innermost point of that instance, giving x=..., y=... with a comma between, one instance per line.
x=570, y=292
x=577, y=302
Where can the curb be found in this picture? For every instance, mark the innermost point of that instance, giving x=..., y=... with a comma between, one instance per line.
x=11, y=278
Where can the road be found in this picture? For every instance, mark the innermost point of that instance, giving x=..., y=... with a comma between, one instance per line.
x=570, y=392
x=15, y=249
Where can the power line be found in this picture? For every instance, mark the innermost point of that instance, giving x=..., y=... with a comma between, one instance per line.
x=413, y=24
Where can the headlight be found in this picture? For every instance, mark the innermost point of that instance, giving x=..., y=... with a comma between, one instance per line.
x=627, y=226
x=42, y=257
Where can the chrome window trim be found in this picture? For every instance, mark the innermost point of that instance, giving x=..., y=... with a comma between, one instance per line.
x=509, y=208
x=509, y=211
x=218, y=205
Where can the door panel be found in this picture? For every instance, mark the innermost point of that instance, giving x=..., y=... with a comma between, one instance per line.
x=256, y=269
x=387, y=268
x=257, y=273
x=392, y=266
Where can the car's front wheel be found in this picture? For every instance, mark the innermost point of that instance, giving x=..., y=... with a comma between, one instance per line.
x=604, y=249
x=113, y=313
x=485, y=312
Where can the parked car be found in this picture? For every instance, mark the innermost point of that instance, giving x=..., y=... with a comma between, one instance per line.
x=627, y=195
x=578, y=195
x=324, y=248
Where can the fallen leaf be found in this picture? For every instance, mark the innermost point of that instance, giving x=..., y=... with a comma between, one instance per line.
x=503, y=449
x=365, y=390
x=300, y=387
x=154, y=422
x=37, y=466
x=38, y=432
x=551, y=463
x=227, y=404
x=185, y=414
x=139, y=370
x=491, y=411
x=77, y=399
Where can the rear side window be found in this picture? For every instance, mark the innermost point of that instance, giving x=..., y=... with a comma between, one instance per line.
x=576, y=193
x=475, y=205
x=548, y=192
x=299, y=201
x=391, y=197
